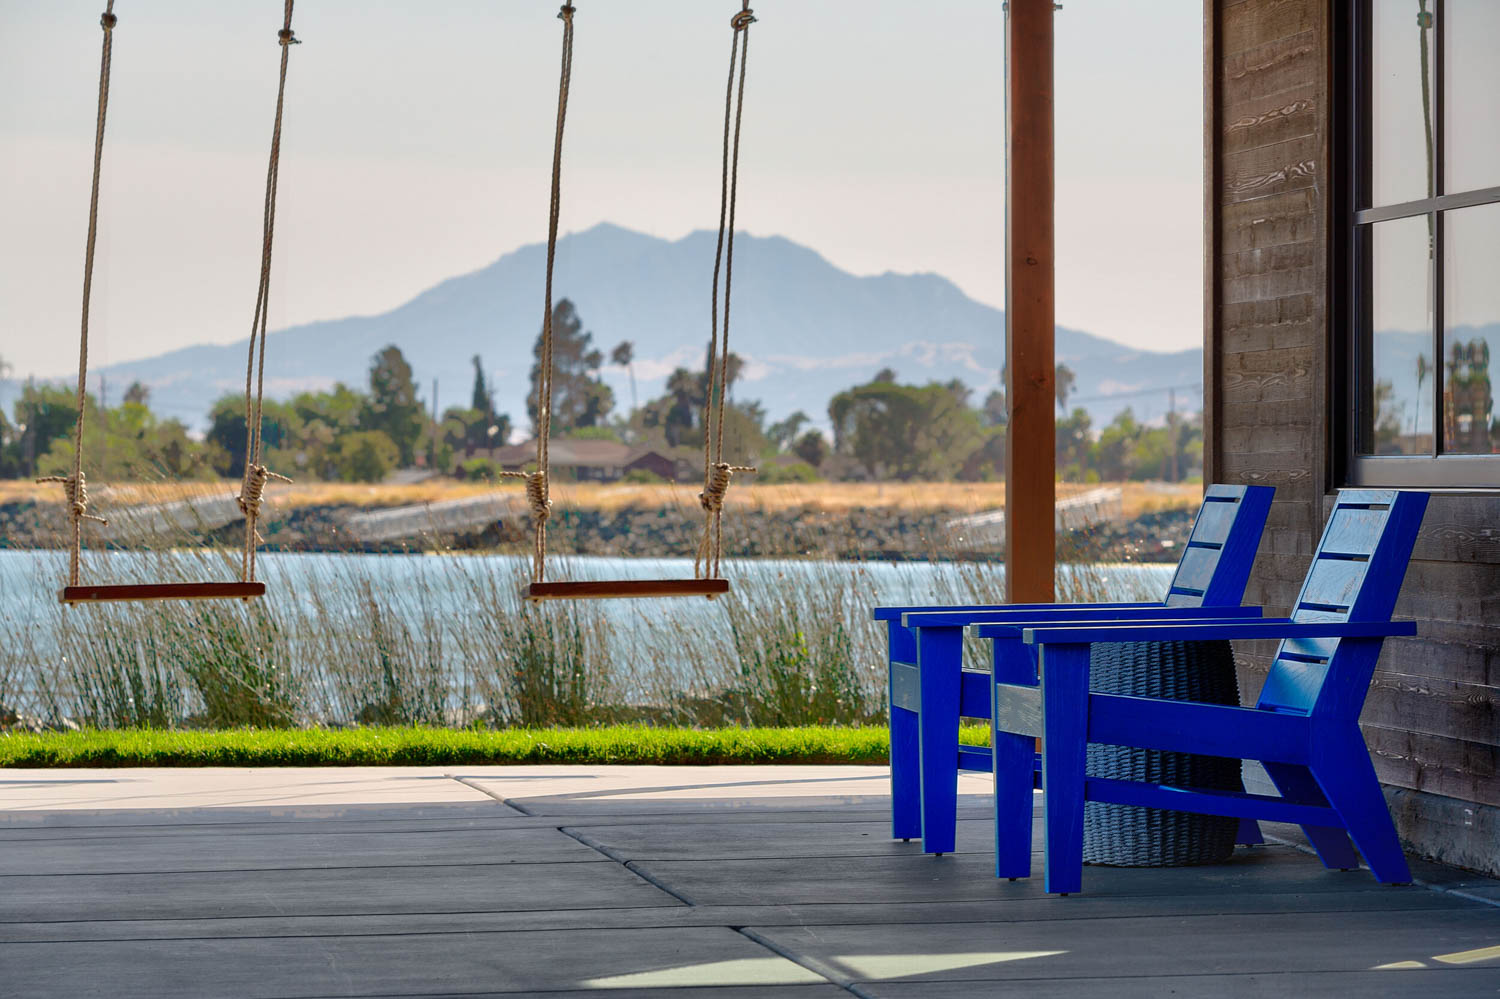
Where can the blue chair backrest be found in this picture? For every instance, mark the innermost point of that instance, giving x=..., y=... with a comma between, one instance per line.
x=1355, y=575
x=1221, y=549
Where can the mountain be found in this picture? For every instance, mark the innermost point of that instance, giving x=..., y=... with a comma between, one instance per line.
x=806, y=329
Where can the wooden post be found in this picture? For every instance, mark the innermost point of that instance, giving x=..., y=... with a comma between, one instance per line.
x=1030, y=495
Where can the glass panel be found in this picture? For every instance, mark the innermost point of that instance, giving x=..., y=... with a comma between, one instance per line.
x=1402, y=100
x=1471, y=329
x=1471, y=93
x=1397, y=412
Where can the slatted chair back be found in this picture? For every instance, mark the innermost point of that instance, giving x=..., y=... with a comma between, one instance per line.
x=1220, y=551
x=1355, y=575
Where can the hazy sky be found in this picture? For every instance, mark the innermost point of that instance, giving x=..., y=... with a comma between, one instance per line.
x=418, y=140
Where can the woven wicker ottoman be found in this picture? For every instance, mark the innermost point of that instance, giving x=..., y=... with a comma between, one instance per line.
x=1131, y=836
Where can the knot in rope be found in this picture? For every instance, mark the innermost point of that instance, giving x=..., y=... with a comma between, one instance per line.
x=565, y=12
x=253, y=490
x=536, y=494
x=286, y=37
x=720, y=473
x=108, y=20
x=742, y=20
x=77, y=491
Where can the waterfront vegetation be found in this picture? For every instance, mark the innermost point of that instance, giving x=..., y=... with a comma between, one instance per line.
x=429, y=746
x=450, y=642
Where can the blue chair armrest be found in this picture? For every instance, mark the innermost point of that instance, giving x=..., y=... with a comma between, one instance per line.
x=896, y=613
x=1177, y=631
x=1082, y=612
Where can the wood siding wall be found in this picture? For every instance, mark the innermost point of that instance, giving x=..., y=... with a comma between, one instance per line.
x=1432, y=719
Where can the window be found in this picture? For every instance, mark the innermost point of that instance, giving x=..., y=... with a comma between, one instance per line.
x=1424, y=280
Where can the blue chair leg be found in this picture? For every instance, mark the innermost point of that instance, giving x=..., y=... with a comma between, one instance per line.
x=940, y=666
x=1296, y=783
x=1343, y=770
x=1249, y=833
x=906, y=775
x=1014, y=763
x=1065, y=707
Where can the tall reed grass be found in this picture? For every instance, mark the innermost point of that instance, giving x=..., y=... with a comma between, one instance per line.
x=448, y=640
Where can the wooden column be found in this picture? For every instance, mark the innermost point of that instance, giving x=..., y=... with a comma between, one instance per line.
x=1030, y=542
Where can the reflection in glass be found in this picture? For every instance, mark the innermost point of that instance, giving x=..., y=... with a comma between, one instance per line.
x=1400, y=379
x=1471, y=91
x=1401, y=100
x=1471, y=329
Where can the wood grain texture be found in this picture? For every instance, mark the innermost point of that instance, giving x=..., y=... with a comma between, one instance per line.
x=1030, y=311
x=1454, y=767
x=1248, y=26
x=160, y=591
x=594, y=589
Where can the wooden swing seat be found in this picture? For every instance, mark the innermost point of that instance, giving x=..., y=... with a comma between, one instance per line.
x=602, y=588
x=160, y=591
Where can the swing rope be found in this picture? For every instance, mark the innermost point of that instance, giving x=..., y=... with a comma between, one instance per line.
x=75, y=485
x=538, y=492
x=252, y=488
x=717, y=473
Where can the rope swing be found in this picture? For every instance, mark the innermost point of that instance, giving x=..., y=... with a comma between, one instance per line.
x=717, y=473
x=256, y=475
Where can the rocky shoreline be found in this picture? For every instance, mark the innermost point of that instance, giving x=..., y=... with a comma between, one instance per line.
x=656, y=531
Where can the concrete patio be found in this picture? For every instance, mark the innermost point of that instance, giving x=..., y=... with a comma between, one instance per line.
x=635, y=881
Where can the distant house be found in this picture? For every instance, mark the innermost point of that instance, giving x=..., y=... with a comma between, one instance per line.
x=589, y=460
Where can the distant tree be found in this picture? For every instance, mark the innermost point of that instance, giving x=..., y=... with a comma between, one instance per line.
x=468, y=430
x=1424, y=367
x=321, y=419
x=1062, y=383
x=1116, y=454
x=128, y=443
x=677, y=416
x=1387, y=428
x=812, y=447
x=994, y=413
x=366, y=456
x=1074, y=444
x=394, y=408
x=483, y=400
x=226, y=431
x=138, y=394
x=885, y=376
x=784, y=432
x=905, y=431
x=579, y=398
x=624, y=356
x=43, y=414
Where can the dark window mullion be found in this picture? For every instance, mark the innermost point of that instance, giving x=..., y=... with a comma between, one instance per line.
x=1440, y=377
x=1439, y=101
x=1439, y=110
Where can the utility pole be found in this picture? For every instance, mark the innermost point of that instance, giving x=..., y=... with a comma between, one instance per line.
x=1172, y=433
x=432, y=445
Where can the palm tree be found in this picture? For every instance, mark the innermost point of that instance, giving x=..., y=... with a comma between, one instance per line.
x=1422, y=369
x=624, y=356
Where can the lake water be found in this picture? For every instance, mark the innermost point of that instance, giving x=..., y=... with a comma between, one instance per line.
x=29, y=580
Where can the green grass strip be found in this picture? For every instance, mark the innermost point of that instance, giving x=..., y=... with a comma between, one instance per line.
x=366, y=747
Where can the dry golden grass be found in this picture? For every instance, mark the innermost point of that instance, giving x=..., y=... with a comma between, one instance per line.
x=832, y=497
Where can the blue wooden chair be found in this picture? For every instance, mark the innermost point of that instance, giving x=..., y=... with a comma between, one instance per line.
x=1304, y=728
x=925, y=657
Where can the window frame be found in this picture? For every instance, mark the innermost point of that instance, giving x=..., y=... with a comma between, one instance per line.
x=1350, y=397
